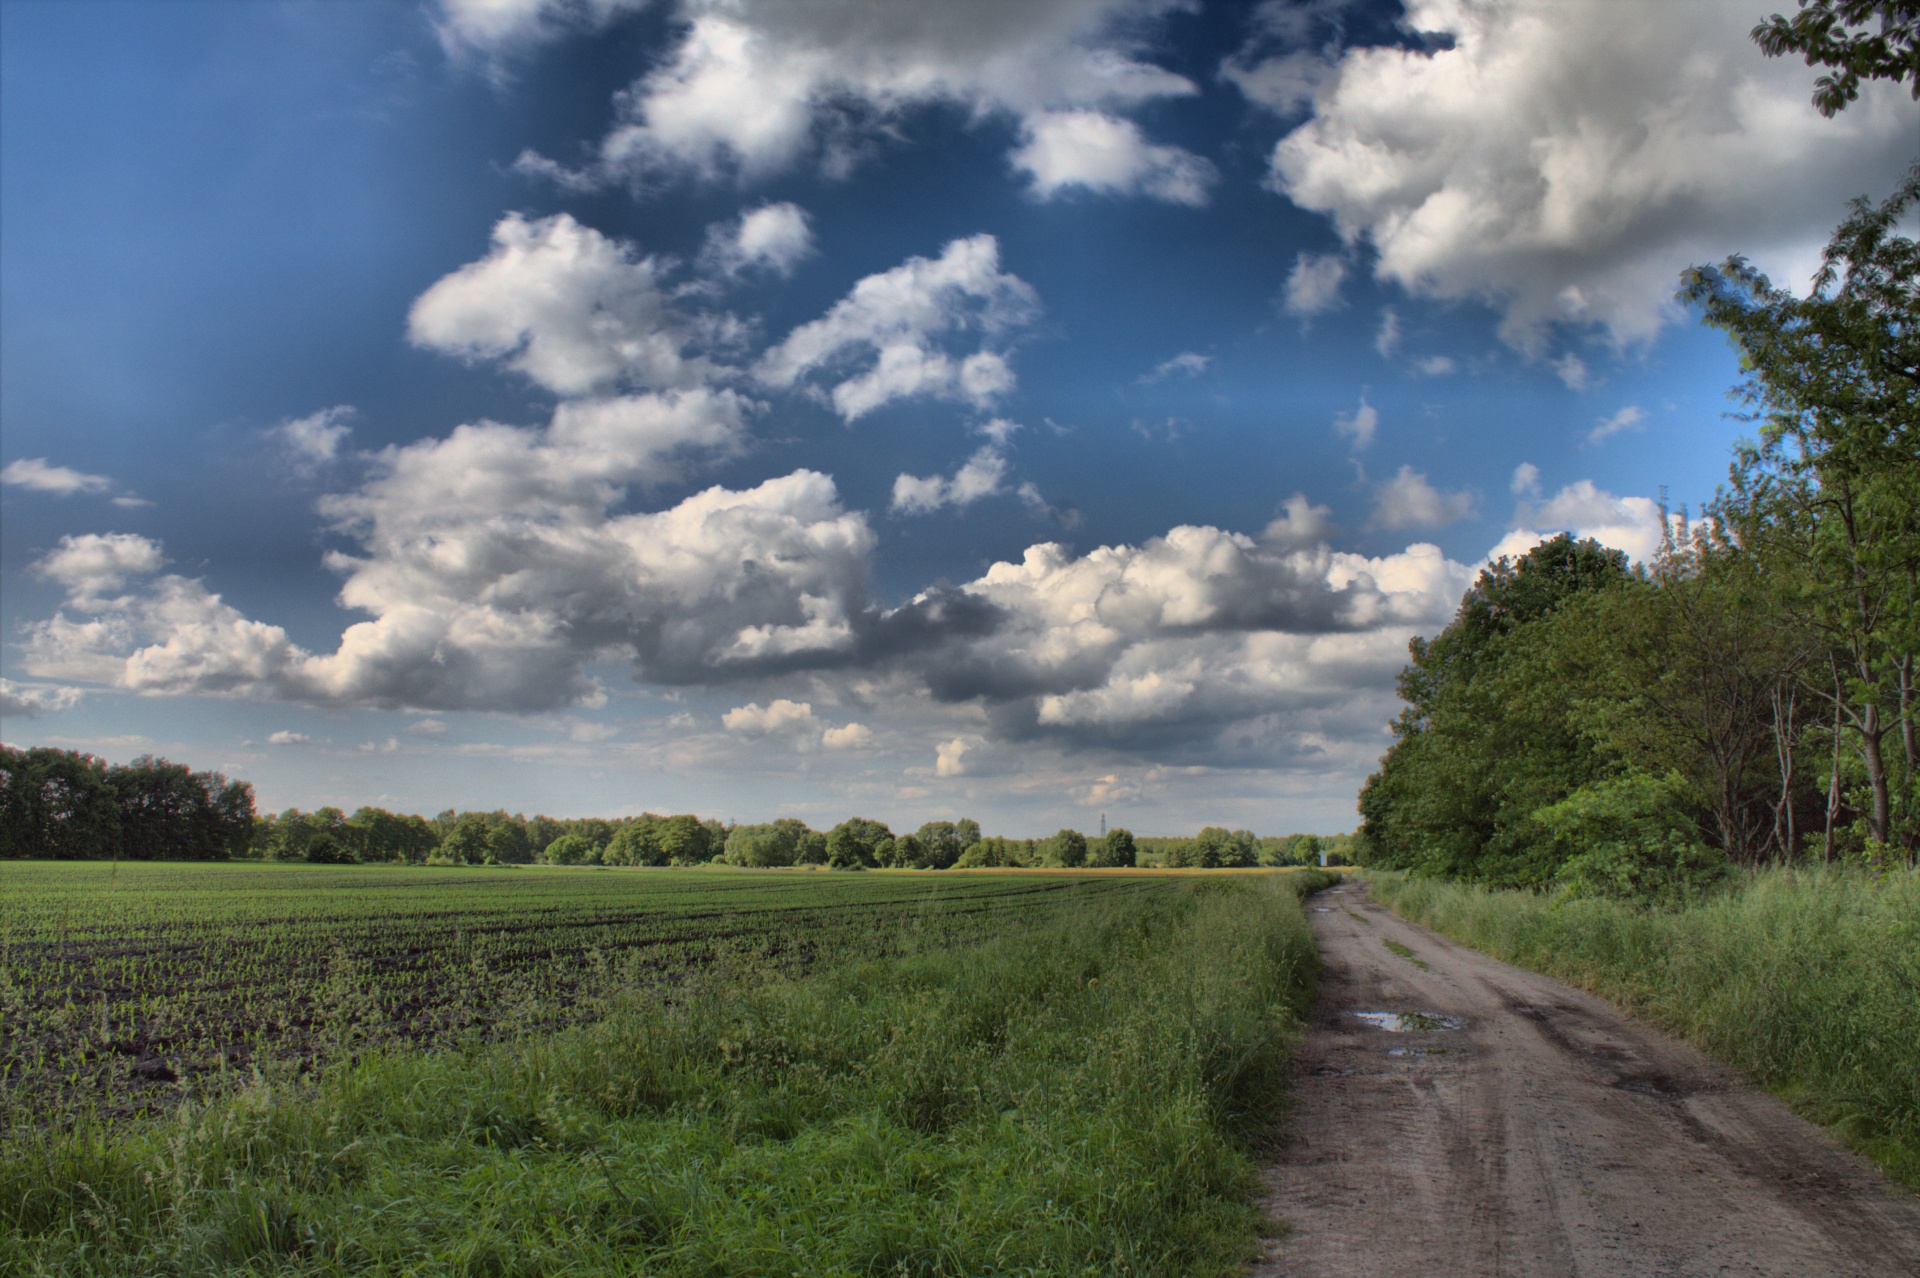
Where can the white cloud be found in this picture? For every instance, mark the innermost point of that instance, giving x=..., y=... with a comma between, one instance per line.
x=1299, y=524
x=1631, y=417
x=1359, y=426
x=1631, y=524
x=890, y=322
x=980, y=477
x=492, y=572
x=35, y=473
x=1572, y=372
x=498, y=26
x=1313, y=286
x=755, y=85
x=772, y=237
x=850, y=736
x=93, y=564
x=315, y=439
x=563, y=305
x=31, y=701
x=1387, y=339
x=1186, y=363
x=1109, y=156
x=1564, y=159
x=1435, y=366
x=1526, y=480
x=288, y=738
x=950, y=757
x=777, y=717
x=1409, y=501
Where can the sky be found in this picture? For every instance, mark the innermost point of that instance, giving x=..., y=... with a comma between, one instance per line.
x=1047, y=412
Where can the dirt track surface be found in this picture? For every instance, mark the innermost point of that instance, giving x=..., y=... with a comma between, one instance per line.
x=1546, y=1135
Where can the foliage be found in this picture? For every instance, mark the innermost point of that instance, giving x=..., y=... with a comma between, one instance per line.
x=1804, y=979
x=66, y=806
x=1823, y=32
x=1488, y=736
x=1113, y=850
x=1630, y=837
x=1066, y=850
x=1077, y=1096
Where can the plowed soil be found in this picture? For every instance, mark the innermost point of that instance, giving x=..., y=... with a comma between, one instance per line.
x=1521, y=1127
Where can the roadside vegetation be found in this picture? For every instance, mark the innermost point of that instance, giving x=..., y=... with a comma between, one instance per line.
x=1081, y=1095
x=1804, y=979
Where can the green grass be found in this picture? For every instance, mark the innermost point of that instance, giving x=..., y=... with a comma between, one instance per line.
x=128, y=987
x=1808, y=981
x=1082, y=1096
x=1407, y=954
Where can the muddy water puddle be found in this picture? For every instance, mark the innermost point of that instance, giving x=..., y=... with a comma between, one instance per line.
x=1409, y=1022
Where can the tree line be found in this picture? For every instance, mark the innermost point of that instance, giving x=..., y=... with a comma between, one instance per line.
x=63, y=805
x=1749, y=695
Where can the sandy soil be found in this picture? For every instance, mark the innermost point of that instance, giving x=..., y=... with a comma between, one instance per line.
x=1546, y=1134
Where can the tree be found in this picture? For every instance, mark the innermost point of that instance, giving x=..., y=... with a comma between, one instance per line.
x=687, y=840
x=763, y=845
x=1115, y=849
x=56, y=804
x=857, y=843
x=171, y=813
x=1066, y=850
x=570, y=849
x=1829, y=496
x=944, y=843
x=1823, y=33
x=1488, y=734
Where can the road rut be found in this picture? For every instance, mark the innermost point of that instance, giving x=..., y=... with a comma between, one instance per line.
x=1535, y=1131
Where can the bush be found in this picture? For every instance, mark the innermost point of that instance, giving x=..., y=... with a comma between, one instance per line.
x=1630, y=838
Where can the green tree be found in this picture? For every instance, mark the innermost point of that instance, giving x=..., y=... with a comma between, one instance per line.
x=1114, y=849
x=1861, y=39
x=857, y=843
x=56, y=804
x=570, y=849
x=1066, y=849
x=1829, y=496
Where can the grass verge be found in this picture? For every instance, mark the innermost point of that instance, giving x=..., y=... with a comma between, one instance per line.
x=1808, y=981
x=1080, y=1098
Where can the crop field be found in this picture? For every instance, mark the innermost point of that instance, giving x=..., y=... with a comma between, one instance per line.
x=125, y=988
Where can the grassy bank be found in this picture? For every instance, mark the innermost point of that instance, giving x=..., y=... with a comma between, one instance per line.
x=1077, y=1098
x=1808, y=981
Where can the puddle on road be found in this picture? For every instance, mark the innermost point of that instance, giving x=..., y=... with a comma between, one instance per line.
x=1408, y=1022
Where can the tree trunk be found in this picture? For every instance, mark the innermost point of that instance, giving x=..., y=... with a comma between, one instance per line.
x=1833, y=784
x=1871, y=730
x=1906, y=708
x=1783, y=832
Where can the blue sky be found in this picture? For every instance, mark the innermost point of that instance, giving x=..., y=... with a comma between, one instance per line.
x=1026, y=411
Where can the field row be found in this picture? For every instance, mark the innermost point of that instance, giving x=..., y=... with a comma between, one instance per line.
x=125, y=988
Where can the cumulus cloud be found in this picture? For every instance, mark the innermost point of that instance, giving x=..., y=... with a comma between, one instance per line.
x=1313, y=286
x=777, y=717
x=1109, y=156
x=1526, y=480
x=1359, y=425
x=286, y=738
x=1299, y=524
x=1564, y=159
x=1434, y=366
x=31, y=701
x=37, y=474
x=500, y=26
x=1632, y=417
x=980, y=477
x=888, y=328
x=772, y=237
x=1186, y=364
x=1386, y=338
x=92, y=565
x=1631, y=524
x=314, y=440
x=755, y=85
x=1409, y=501
x=848, y=736
x=563, y=305
x=950, y=757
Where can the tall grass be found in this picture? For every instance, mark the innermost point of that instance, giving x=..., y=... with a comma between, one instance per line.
x=1081, y=1098
x=1807, y=980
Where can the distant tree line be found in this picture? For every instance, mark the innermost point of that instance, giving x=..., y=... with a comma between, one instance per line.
x=60, y=805
x=1748, y=696
x=63, y=805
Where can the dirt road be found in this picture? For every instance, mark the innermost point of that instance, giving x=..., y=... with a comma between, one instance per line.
x=1514, y=1126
